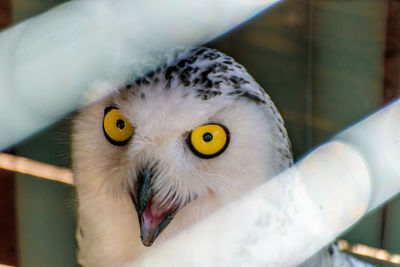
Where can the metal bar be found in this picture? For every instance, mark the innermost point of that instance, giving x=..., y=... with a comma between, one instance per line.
x=85, y=49
x=34, y=168
x=295, y=214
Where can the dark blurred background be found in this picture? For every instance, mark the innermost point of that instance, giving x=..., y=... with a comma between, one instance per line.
x=8, y=237
x=325, y=63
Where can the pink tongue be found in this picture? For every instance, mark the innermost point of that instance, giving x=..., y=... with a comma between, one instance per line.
x=151, y=220
x=153, y=215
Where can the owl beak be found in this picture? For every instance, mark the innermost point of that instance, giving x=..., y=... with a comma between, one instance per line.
x=153, y=218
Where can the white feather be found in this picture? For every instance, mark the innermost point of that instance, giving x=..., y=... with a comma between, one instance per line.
x=109, y=232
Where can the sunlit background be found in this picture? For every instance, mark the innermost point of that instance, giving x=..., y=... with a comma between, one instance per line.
x=325, y=63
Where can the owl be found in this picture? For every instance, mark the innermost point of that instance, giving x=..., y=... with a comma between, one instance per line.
x=168, y=149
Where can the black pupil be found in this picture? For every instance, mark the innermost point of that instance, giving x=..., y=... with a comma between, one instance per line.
x=207, y=137
x=120, y=124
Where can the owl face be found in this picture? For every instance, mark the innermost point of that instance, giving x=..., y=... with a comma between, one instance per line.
x=157, y=149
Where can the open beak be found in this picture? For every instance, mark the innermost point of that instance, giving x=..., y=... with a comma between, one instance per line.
x=153, y=217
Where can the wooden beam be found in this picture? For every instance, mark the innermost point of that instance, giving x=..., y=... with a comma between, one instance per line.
x=392, y=53
x=8, y=240
x=5, y=13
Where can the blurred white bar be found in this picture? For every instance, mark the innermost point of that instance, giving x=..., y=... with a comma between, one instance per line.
x=88, y=47
x=294, y=215
x=378, y=139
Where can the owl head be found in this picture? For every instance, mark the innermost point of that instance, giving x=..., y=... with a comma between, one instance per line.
x=178, y=142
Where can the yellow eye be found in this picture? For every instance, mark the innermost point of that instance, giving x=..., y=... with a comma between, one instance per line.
x=209, y=140
x=117, y=129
